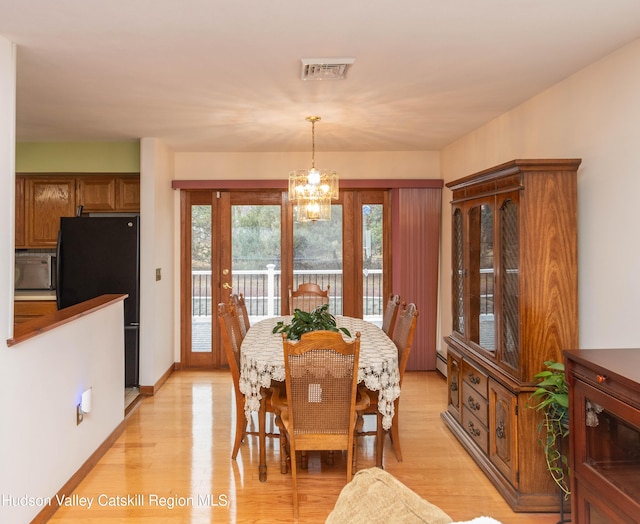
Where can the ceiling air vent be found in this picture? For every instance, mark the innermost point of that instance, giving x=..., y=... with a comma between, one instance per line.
x=325, y=68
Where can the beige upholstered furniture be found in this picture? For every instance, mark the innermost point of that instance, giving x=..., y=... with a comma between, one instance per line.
x=321, y=379
x=403, y=333
x=390, y=314
x=376, y=497
x=307, y=297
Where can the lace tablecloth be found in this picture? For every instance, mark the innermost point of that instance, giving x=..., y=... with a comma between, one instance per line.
x=262, y=360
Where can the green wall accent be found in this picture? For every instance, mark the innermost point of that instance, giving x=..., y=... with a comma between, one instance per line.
x=78, y=157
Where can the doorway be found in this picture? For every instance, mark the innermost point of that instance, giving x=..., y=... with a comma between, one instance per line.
x=246, y=242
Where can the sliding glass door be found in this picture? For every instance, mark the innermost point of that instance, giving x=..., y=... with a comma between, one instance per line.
x=246, y=242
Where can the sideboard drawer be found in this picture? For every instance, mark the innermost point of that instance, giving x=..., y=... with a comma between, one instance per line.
x=475, y=429
x=475, y=378
x=475, y=403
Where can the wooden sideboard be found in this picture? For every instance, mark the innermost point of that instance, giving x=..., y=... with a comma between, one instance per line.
x=604, y=434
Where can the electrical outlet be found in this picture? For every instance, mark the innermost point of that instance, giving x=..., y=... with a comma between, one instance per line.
x=158, y=273
x=79, y=415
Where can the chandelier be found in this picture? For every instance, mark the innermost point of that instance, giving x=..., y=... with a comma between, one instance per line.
x=312, y=191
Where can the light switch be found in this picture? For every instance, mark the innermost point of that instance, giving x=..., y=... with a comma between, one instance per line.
x=158, y=274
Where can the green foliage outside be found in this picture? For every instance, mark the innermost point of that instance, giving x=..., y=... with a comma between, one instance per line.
x=256, y=239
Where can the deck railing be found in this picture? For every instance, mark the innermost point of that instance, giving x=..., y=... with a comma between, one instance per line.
x=261, y=290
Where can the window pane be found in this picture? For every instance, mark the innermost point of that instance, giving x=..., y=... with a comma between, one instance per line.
x=372, y=289
x=255, y=258
x=317, y=256
x=201, y=279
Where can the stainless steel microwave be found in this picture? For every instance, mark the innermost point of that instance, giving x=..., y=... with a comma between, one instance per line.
x=35, y=272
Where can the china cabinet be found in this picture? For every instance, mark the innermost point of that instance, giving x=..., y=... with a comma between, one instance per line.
x=514, y=306
x=604, y=418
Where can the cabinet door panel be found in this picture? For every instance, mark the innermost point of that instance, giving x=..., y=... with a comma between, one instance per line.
x=503, y=440
x=47, y=200
x=454, y=384
x=97, y=193
x=20, y=225
x=128, y=193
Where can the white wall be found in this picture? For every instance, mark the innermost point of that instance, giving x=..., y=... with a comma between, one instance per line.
x=159, y=348
x=7, y=182
x=41, y=379
x=273, y=166
x=593, y=115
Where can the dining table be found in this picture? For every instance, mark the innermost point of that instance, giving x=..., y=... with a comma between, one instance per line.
x=262, y=361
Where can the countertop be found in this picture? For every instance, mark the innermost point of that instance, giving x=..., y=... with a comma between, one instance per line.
x=35, y=295
x=29, y=329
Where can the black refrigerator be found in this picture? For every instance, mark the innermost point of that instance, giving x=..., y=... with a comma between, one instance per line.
x=97, y=256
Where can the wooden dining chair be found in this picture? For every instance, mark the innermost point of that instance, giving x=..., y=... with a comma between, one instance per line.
x=307, y=297
x=403, y=333
x=321, y=381
x=390, y=314
x=241, y=312
x=231, y=339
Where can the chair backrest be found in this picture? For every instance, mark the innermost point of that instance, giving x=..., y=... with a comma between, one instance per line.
x=403, y=334
x=241, y=312
x=321, y=379
x=307, y=297
x=390, y=314
x=231, y=338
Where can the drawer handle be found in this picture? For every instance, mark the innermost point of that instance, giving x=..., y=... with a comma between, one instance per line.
x=473, y=404
x=500, y=430
x=601, y=379
x=473, y=430
x=473, y=379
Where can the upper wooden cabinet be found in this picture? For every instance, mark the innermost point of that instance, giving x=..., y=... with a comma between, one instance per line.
x=19, y=196
x=42, y=199
x=514, y=306
x=109, y=193
x=46, y=200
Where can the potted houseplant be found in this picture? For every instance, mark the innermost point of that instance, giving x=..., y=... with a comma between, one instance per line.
x=304, y=322
x=552, y=398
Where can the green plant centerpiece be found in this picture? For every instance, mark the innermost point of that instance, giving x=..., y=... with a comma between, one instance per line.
x=552, y=398
x=303, y=322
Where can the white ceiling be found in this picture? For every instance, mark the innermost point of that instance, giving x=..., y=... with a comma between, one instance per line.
x=214, y=75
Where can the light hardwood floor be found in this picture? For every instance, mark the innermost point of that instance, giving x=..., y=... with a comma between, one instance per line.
x=176, y=450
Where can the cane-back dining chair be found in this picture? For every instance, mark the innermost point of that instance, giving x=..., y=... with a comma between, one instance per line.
x=241, y=312
x=321, y=382
x=231, y=339
x=390, y=314
x=403, y=333
x=307, y=297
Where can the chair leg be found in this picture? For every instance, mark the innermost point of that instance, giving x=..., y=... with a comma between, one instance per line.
x=284, y=444
x=262, y=440
x=395, y=435
x=294, y=478
x=241, y=427
x=331, y=458
x=380, y=433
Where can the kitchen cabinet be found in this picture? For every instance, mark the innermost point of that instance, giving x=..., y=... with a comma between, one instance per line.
x=604, y=434
x=100, y=193
x=514, y=306
x=47, y=199
x=28, y=309
x=128, y=193
x=42, y=199
x=20, y=218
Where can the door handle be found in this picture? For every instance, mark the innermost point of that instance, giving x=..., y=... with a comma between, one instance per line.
x=226, y=285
